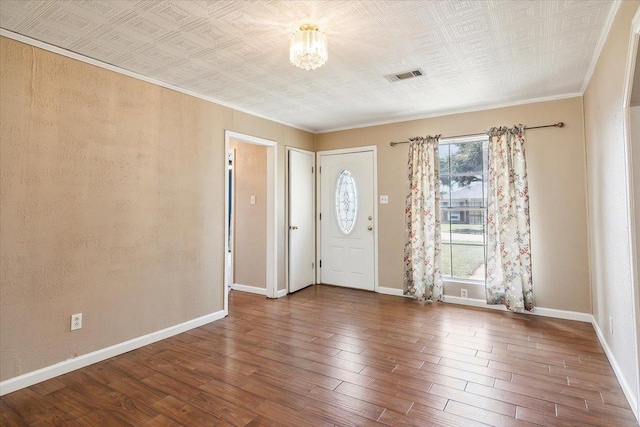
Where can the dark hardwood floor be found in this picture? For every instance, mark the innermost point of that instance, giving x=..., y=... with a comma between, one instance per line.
x=330, y=356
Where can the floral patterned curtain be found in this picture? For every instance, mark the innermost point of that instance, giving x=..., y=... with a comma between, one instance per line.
x=422, y=270
x=509, y=247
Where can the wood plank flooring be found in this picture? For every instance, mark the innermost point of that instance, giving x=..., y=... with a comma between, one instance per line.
x=328, y=356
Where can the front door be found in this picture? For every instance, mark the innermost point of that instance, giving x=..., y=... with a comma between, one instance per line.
x=347, y=220
x=301, y=216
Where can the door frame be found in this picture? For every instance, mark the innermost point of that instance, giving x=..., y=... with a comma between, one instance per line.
x=634, y=205
x=319, y=154
x=272, y=212
x=286, y=211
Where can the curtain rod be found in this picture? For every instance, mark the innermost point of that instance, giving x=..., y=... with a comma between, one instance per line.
x=555, y=125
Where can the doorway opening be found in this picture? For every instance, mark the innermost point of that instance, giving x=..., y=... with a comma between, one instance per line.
x=268, y=223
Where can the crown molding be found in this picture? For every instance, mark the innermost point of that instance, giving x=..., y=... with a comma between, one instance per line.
x=88, y=60
x=603, y=38
x=455, y=111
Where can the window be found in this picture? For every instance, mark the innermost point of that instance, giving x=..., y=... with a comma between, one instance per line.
x=463, y=205
x=346, y=202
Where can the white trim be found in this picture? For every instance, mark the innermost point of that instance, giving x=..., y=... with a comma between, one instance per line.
x=375, y=218
x=451, y=112
x=318, y=274
x=538, y=311
x=281, y=293
x=391, y=291
x=601, y=41
x=272, y=205
x=249, y=289
x=631, y=218
x=626, y=388
x=115, y=69
x=363, y=149
x=46, y=373
x=227, y=270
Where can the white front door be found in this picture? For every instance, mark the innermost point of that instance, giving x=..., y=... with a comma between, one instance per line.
x=347, y=220
x=301, y=216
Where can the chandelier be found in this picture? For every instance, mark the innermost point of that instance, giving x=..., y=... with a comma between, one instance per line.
x=308, y=48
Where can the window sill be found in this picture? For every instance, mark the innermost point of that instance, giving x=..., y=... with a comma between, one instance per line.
x=463, y=281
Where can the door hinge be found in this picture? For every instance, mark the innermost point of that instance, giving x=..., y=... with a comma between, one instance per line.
x=311, y=169
x=320, y=215
x=313, y=265
x=320, y=169
x=320, y=265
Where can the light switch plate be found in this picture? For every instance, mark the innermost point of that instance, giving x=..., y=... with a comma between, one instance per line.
x=384, y=200
x=253, y=200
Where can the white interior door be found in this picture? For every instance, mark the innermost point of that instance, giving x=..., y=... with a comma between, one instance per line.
x=347, y=219
x=301, y=216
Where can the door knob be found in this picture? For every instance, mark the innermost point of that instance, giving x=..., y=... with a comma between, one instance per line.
x=293, y=227
x=370, y=228
x=370, y=217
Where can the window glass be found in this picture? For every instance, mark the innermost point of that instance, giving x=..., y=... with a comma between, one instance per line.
x=466, y=158
x=446, y=259
x=463, y=201
x=468, y=262
x=346, y=202
x=469, y=228
x=443, y=152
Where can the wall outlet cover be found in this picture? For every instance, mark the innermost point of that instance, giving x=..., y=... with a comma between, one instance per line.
x=76, y=321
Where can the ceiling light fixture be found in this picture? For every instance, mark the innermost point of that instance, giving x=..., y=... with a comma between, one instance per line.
x=308, y=48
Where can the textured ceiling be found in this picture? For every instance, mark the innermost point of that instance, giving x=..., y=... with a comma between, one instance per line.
x=473, y=53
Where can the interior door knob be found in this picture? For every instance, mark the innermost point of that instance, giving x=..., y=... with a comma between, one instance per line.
x=370, y=228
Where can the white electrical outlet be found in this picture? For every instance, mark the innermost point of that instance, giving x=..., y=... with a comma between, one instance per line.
x=611, y=325
x=76, y=321
x=464, y=293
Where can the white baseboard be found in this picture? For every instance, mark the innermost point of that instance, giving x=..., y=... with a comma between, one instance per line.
x=43, y=374
x=626, y=388
x=250, y=289
x=537, y=311
x=390, y=291
x=257, y=290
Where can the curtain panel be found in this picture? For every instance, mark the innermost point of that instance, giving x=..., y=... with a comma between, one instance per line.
x=509, y=279
x=422, y=260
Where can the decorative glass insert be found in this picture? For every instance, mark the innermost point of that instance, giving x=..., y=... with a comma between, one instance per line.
x=346, y=202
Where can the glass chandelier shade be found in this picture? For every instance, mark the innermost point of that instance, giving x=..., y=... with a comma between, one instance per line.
x=308, y=48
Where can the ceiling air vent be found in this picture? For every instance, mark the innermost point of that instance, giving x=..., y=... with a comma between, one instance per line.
x=403, y=75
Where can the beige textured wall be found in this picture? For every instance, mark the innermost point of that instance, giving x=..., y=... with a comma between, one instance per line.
x=608, y=202
x=557, y=185
x=250, y=240
x=112, y=205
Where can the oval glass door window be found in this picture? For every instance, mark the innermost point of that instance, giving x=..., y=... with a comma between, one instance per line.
x=346, y=202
